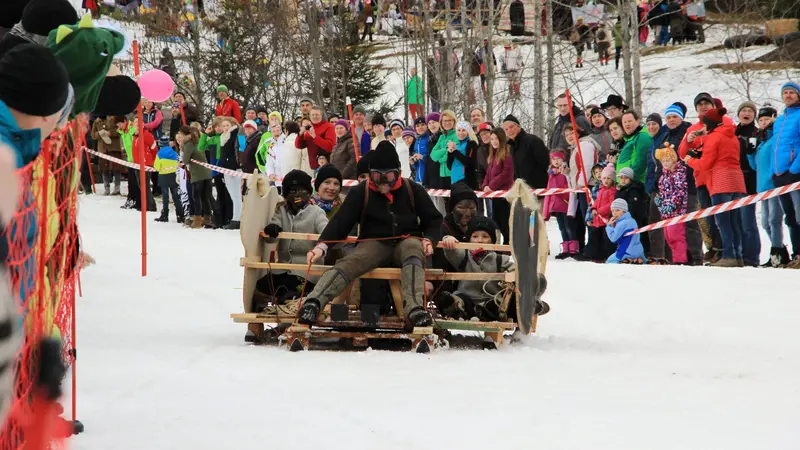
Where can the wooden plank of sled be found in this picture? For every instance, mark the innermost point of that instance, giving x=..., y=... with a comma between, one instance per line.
x=469, y=325
x=386, y=322
x=463, y=245
x=388, y=273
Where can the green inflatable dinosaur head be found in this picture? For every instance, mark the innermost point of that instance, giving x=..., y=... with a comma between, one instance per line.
x=87, y=53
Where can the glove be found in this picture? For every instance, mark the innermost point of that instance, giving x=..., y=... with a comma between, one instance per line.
x=272, y=230
x=694, y=153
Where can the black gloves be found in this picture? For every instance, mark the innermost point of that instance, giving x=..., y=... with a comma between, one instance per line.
x=272, y=230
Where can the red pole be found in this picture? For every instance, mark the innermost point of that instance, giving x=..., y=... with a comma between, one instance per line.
x=356, y=147
x=578, y=147
x=75, y=351
x=143, y=164
x=183, y=116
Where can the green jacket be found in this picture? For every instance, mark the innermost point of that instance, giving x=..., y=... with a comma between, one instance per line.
x=415, y=91
x=208, y=142
x=126, y=137
x=634, y=154
x=439, y=152
x=196, y=171
x=618, y=35
x=261, y=152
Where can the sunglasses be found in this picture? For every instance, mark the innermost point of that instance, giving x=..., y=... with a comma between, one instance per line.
x=387, y=175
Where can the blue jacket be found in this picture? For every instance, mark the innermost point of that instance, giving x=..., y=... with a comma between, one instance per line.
x=366, y=143
x=761, y=161
x=787, y=143
x=627, y=246
x=421, y=147
x=26, y=145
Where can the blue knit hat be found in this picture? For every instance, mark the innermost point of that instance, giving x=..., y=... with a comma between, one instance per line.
x=791, y=85
x=674, y=109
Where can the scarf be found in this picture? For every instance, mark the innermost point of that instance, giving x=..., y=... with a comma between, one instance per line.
x=389, y=194
x=478, y=254
x=326, y=205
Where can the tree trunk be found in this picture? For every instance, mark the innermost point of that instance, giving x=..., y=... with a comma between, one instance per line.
x=467, y=78
x=539, y=121
x=551, y=85
x=627, y=72
x=636, y=102
x=490, y=71
x=312, y=18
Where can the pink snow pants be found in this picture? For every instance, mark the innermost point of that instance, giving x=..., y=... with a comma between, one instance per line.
x=676, y=238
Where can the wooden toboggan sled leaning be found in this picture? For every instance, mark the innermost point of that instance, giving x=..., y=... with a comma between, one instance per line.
x=343, y=324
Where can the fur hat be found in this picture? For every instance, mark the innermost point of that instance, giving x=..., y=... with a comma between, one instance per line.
x=325, y=172
x=666, y=153
x=296, y=179
x=609, y=172
x=481, y=223
x=378, y=119
x=433, y=117
x=43, y=16
x=362, y=166
x=344, y=123
x=33, y=81
x=627, y=172
x=620, y=204
x=385, y=157
x=460, y=191
x=746, y=104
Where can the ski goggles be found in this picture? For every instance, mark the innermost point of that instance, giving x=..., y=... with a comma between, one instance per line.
x=384, y=176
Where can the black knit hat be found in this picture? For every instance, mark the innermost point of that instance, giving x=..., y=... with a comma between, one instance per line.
x=12, y=12
x=460, y=191
x=420, y=121
x=119, y=96
x=655, y=117
x=511, y=118
x=296, y=179
x=325, y=172
x=363, y=164
x=703, y=97
x=33, y=81
x=384, y=157
x=42, y=16
x=378, y=119
x=767, y=111
x=481, y=223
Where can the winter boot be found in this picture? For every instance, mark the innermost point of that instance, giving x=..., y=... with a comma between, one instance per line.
x=309, y=311
x=778, y=257
x=418, y=317
x=197, y=222
x=188, y=221
x=106, y=184
x=164, y=217
x=712, y=256
x=564, y=250
x=725, y=262
x=794, y=263
x=129, y=204
x=451, y=306
x=233, y=225
x=207, y=223
x=181, y=220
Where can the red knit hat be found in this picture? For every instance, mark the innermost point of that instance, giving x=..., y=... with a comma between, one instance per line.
x=717, y=102
x=715, y=115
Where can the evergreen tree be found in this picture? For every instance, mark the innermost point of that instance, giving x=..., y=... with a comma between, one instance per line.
x=351, y=72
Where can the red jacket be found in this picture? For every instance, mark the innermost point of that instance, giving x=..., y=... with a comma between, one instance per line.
x=499, y=175
x=558, y=203
x=150, y=149
x=720, y=161
x=605, y=196
x=325, y=140
x=229, y=108
x=700, y=178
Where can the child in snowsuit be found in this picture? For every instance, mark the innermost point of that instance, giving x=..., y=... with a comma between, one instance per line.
x=620, y=224
x=475, y=298
x=166, y=163
x=296, y=214
x=557, y=205
x=599, y=246
x=672, y=200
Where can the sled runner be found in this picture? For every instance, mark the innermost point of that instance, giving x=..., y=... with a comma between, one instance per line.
x=344, y=324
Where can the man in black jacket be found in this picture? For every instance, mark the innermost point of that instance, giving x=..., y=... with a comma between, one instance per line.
x=398, y=224
x=528, y=153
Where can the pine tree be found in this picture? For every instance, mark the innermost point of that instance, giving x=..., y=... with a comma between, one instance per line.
x=352, y=72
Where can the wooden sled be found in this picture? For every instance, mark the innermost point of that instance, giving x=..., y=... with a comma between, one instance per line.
x=259, y=206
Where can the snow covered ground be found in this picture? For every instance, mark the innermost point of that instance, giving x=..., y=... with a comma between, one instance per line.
x=629, y=358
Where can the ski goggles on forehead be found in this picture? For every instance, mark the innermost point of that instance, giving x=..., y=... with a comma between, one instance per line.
x=384, y=175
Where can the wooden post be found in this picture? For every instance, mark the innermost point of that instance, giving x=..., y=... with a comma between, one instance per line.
x=142, y=165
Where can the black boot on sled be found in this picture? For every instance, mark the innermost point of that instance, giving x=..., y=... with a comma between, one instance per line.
x=309, y=311
x=418, y=317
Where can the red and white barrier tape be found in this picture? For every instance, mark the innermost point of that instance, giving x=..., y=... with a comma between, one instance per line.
x=431, y=192
x=121, y=162
x=724, y=207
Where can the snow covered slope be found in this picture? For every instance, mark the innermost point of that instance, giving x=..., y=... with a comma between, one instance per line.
x=629, y=358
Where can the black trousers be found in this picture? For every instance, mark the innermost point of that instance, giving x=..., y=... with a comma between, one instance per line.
x=224, y=202
x=599, y=247
x=201, y=191
x=501, y=210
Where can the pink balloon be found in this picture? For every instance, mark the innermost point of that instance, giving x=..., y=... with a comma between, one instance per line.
x=156, y=85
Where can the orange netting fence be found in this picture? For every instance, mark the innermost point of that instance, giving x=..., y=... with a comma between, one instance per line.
x=43, y=265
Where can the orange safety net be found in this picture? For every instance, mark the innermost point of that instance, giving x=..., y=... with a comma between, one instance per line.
x=43, y=265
